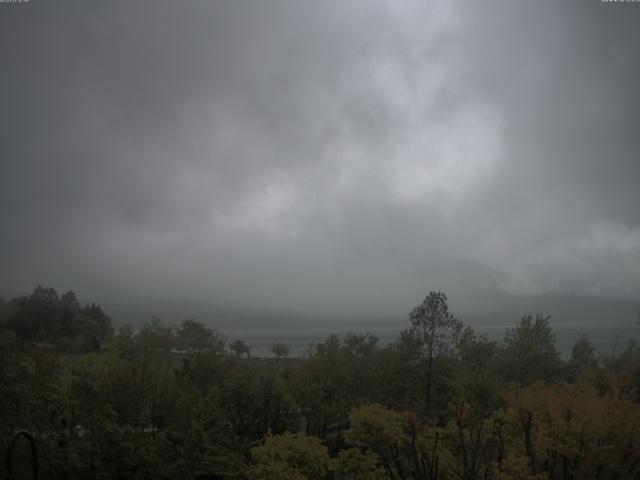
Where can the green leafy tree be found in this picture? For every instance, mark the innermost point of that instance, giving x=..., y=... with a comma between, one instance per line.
x=434, y=333
x=361, y=357
x=583, y=358
x=100, y=330
x=288, y=457
x=257, y=402
x=280, y=350
x=239, y=348
x=381, y=431
x=407, y=447
x=60, y=321
x=321, y=386
x=35, y=316
x=473, y=439
x=194, y=337
x=354, y=463
x=569, y=431
x=476, y=381
x=529, y=352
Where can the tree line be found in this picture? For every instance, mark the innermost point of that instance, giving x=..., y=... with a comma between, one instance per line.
x=440, y=402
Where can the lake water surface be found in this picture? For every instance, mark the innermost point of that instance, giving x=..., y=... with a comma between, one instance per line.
x=606, y=338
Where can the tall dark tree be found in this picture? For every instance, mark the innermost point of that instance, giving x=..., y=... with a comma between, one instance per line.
x=280, y=350
x=239, y=348
x=434, y=331
x=35, y=316
x=101, y=328
x=194, y=337
x=583, y=357
x=530, y=351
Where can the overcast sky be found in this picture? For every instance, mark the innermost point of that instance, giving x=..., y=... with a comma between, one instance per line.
x=316, y=155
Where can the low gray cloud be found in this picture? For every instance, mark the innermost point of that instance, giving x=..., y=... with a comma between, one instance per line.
x=330, y=157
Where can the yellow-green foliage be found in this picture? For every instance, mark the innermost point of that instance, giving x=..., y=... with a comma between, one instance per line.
x=288, y=457
x=407, y=447
x=571, y=430
x=354, y=463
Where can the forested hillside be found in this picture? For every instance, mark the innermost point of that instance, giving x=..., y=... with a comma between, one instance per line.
x=441, y=402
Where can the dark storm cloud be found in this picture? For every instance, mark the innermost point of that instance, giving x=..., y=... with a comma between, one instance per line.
x=328, y=156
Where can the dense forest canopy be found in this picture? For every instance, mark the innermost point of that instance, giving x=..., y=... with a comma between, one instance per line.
x=440, y=402
x=45, y=316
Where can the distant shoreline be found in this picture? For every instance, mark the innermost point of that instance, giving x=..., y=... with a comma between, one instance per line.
x=603, y=337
